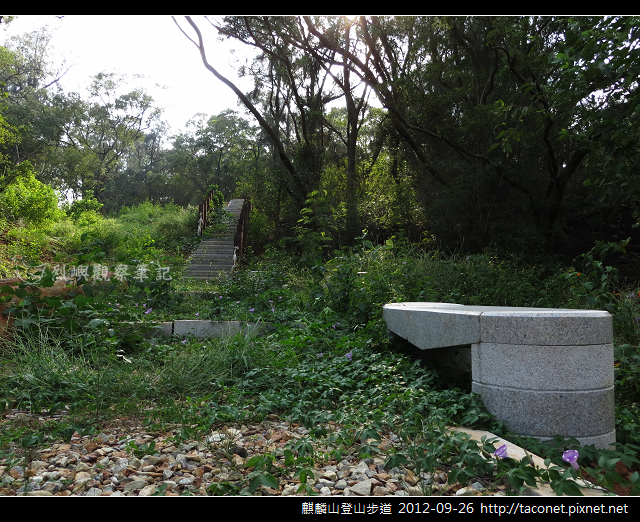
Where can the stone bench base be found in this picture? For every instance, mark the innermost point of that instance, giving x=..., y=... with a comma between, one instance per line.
x=542, y=371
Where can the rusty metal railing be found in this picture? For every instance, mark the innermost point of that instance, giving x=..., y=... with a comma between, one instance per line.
x=203, y=211
x=240, y=238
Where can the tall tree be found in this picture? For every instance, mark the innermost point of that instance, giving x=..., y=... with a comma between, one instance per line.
x=499, y=121
x=480, y=102
x=27, y=100
x=292, y=79
x=297, y=191
x=340, y=30
x=104, y=127
x=215, y=152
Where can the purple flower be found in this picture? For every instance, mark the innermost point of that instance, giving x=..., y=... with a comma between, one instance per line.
x=571, y=456
x=197, y=314
x=349, y=355
x=219, y=297
x=252, y=310
x=320, y=354
x=184, y=342
x=148, y=310
x=502, y=452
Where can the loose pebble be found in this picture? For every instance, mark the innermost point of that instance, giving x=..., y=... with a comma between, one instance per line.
x=108, y=464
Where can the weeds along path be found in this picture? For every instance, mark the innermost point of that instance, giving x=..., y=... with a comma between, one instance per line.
x=320, y=405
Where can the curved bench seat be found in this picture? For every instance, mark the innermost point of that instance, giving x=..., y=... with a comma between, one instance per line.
x=542, y=371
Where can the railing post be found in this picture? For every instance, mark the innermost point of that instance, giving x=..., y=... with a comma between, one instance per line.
x=203, y=212
x=237, y=239
x=240, y=237
x=206, y=211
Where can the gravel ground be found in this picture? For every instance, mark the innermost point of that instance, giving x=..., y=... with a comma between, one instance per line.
x=121, y=460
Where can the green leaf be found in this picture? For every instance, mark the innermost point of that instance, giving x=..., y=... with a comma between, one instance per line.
x=70, y=324
x=255, y=483
x=25, y=321
x=267, y=479
x=369, y=433
x=395, y=460
x=571, y=488
x=304, y=474
x=94, y=323
x=255, y=462
x=289, y=458
x=81, y=300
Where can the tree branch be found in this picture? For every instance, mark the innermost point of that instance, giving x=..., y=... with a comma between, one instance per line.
x=247, y=103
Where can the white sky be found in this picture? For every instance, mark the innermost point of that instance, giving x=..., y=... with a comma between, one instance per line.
x=149, y=45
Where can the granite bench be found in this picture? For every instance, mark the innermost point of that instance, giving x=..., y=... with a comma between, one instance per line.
x=542, y=371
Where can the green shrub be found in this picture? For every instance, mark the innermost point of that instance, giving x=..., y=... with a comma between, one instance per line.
x=217, y=197
x=29, y=242
x=79, y=207
x=29, y=200
x=175, y=223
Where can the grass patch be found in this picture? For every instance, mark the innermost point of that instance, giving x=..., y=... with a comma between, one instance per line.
x=326, y=361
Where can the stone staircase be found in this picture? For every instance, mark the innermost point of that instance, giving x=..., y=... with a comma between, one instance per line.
x=214, y=256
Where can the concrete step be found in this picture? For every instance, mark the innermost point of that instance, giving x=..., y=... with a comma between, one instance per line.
x=218, y=246
x=208, y=256
x=511, y=356
x=208, y=267
x=215, y=250
x=212, y=265
x=204, y=270
x=210, y=274
x=203, y=260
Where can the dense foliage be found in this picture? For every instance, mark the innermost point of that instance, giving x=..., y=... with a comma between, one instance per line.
x=496, y=167
x=323, y=355
x=516, y=133
x=494, y=130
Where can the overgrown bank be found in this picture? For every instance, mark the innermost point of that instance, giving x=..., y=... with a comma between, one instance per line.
x=327, y=362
